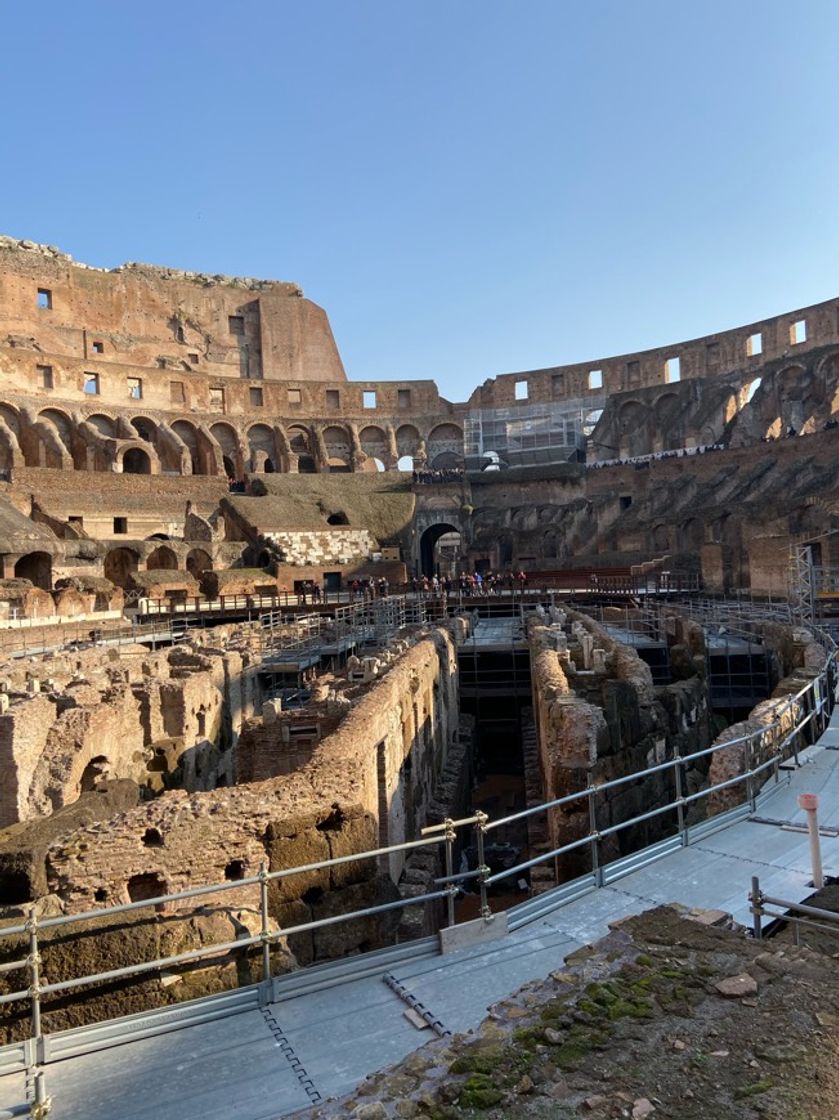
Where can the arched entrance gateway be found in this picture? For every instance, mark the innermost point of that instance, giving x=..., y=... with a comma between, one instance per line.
x=440, y=550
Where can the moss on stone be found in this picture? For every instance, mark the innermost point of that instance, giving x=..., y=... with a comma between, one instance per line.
x=478, y=1091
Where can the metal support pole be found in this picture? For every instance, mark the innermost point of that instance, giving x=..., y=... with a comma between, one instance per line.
x=597, y=870
x=680, y=806
x=483, y=871
x=756, y=899
x=266, y=933
x=42, y=1104
x=750, y=763
x=452, y=889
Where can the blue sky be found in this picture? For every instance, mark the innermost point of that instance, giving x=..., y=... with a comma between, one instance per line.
x=468, y=188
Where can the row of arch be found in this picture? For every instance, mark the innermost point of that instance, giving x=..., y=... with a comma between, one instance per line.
x=796, y=395
x=141, y=444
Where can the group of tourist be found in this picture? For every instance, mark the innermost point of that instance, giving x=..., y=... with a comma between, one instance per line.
x=449, y=474
x=656, y=456
x=470, y=583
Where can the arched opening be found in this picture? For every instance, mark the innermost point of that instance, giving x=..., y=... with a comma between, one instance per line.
x=661, y=538
x=228, y=440
x=440, y=547
x=63, y=430
x=407, y=442
x=632, y=425
x=339, y=518
x=405, y=463
x=145, y=428
x=162, y=558
x=11, y=418
x=692, y=535
x=261, y=448
x=37, y=568
x=338, y=446
x=445, y=440
x=187, y=433
x=96, y=771
x=135, y=461
x=198, y=561
x=373, y=442
x=119, y=566
x=306, y=465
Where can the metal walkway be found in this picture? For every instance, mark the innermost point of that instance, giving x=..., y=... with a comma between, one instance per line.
x=330, y=1026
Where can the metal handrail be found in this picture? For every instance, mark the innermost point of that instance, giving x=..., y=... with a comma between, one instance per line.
x=818, y=704
x=760, y=903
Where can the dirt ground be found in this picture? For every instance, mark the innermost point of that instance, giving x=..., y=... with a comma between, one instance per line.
x=640, y=1025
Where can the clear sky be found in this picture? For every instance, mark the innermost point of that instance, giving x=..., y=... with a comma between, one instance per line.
x=468, y=187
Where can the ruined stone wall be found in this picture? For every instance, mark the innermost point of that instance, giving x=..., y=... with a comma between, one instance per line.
x=729, y=514
x=368, y=782
x=599, y=717
x=719, y=355
x=166, y=719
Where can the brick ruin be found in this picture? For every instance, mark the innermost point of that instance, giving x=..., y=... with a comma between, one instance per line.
x=226, y=456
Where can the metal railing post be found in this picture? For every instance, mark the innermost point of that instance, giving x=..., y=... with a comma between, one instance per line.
x=680, y=805
x=750, y=762
x=266, y=932
x=452, y=889
x=42, y=1104
x=756, y=908
x=594, y=836
x=483, y=871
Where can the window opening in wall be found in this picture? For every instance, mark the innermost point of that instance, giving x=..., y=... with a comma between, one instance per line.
x=236, y=324
x=333, y=398
x=558, y=385
x=712, y=355
x=235, y=870
x=798, y=332
x=295, y=396
x=91, y=384
x=152, y=838
x=120, y=525
x=754, y=345
x=633, y=372
x=672, y=370
x=403, y=398
x=192, y=359
x=625, y=501
x=44, y=299
x=255, y=397
x=176, y=392
x=45, y=380
x=76, y=521
x=368, y=398
x=522, y=391
x=135, y=388
x=595, y=379
x=98, y=347
x=179, y=333
x=216, y=398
